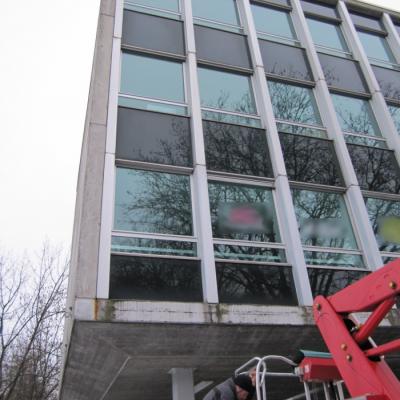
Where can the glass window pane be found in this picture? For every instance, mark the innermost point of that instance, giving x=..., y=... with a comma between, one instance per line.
x=248, y=253
x=355, y=115
x=326, y=34
x=310, y=160
x=273, y=21
x=283, y=60
x=226, y=91
x=389, y=82
x=384, y=216
x=376, y=169
x=323, y=219
x=319, y=9
x=326, y=282
x=333, y=259
x=236, y=149
x=376, y=47
x=367, y=21
x=395, y=113
x=171, y=5
x=161, y=279
x=294, y=103
x=152, y=137
x=222, y=11
x=242, y=212
x=147, y=201
x=152, y=77
x=255, y=284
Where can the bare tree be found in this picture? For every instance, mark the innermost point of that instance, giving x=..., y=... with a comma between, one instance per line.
x=32, y=303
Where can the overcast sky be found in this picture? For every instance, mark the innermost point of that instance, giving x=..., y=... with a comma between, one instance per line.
x=46, y=50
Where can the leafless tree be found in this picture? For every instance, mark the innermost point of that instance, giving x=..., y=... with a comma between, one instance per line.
x=32, y=302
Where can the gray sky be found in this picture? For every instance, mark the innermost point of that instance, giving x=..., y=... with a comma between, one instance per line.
x=46, y=55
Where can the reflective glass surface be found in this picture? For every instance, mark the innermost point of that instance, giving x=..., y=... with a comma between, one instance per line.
x=242, y=212
x=273, y=21
x=355, y=115
x=376, y=169
x=310, y=160
x=151, y=105
x=283, y=60
x=367, y=21
x=248, y=253
x=153, y=137
x=294, y=103
x=326, y=282
x=384, y=216
x=143, y=278
x=333, y=259
x=236, y=149
x=221, y=10
x=395, y=113
x=323, y=219
x=255, y=284
x=389, y=82
x=152, y=77
x=319, y=9
x=326, y=34
x=171, y=5
x=228, y=118
x=226, y=91
x=376, y=46
x=147, y=201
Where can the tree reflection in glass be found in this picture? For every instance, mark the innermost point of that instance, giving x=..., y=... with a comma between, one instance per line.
x=395, y=113
x=147, y=201
x=323, y=219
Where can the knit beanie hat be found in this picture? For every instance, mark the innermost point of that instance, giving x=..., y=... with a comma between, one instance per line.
x=244, y=382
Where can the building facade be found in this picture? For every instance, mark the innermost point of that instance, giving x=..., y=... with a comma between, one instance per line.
x=239, y=158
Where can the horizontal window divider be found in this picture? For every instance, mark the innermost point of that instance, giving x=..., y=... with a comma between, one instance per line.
x=318, y=187
x=263, y=263
x=156, y=236
x=389, y=254
x=317, y=127
x=242, y=33
x=334, y=52
x=320, y=249
x=215, y=24
x=340, y=91
x=361, y=135
x=231, y=123
x=146, y=255
x=270, y=37
x=327, y=139
x=151, y=52
x=132, y=3
x=142, y=9
x=247, y=243
x=381, y=195
x=151, y=99
x=323, y=18
x=367, y=29
x=147, y=166
x=224, y=67
x=335, y=267
x=217, y=110
x=284, y=79
x=241, y=180
x=392, y=102
x=367, y=146
x=384, y=64
x=272, y=4
x=230, y=175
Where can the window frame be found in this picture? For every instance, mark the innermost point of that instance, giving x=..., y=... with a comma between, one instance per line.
x=133, y=6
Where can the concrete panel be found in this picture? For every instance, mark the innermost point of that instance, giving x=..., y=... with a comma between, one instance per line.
x=107, y=7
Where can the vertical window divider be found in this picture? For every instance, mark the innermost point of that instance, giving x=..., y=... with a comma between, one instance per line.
x=200, y=184
x=284, y=203
x=393, y=37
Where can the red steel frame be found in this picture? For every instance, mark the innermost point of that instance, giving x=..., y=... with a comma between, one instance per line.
x=375, y=293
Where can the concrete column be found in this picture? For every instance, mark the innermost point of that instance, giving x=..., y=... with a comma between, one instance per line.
x=201, y=208
x=182, y=384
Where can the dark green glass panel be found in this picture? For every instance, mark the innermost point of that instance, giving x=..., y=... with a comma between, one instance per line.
x=147, y=201
x=236, y=149
x=323, y=219
x=255, y=284
x=248, y=253
x=242, y=212
x=160, y=279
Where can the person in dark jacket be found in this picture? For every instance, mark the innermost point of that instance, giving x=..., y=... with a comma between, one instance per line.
x=238, y=388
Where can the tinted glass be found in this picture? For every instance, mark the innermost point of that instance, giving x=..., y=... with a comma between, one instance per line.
x=294, y=103
x=236, y=149
x=226, y=91
x=221, y=47
x=152, y=77
x=319, y=9
x=148, y=201
x=389, y=81
x=343, y=260
x=151, y=32
x=366, y=21
x=376, y=169
x=384, y=216
x=395, y=113
x=342, y=73
x=249, y=253
x=171, y=5
x=310, y=160
x=355, y=115
x=255, y=284
x=273, y=21
x=159, y=279
x=153, y=137
x=323, y=219
x=283, y=60
x=376, y=47
x=222, y=10
x=326, y=282
x=326, y=34
x=242, y=212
